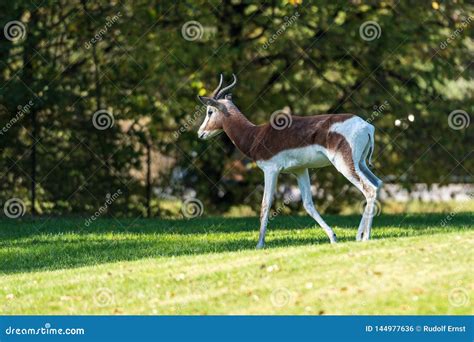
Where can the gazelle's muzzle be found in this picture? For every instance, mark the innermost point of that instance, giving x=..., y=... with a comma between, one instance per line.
x=204, y=135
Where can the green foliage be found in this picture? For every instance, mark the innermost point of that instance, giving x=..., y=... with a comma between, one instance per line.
x=308, y=55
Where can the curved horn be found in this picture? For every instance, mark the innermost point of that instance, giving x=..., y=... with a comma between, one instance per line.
x=230, y=86
x=214, y=93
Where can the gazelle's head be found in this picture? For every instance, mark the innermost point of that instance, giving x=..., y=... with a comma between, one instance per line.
x=217, y=106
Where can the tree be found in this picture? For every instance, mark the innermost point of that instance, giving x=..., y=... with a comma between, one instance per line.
x=389, y=62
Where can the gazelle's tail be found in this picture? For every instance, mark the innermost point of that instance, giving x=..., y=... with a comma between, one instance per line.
x=371, y=141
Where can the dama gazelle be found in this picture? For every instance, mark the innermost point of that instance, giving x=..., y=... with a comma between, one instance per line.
x=343, y=140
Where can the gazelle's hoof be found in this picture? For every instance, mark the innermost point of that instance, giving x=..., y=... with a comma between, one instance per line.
x=363, y=237
x=333, y=239
x=260, y=245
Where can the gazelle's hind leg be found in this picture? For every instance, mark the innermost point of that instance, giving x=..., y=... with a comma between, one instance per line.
x=364, y=229
x=365, y=226
x=307, y=198
x=345, y=164
x=365, y=234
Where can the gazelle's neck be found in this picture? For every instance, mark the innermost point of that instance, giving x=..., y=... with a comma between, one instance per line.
x=240, y=130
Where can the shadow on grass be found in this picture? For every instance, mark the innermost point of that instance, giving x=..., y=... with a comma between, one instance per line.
x=13, y=229
x=34, y=245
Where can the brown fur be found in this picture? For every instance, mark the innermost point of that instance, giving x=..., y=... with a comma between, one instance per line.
x=263, y=142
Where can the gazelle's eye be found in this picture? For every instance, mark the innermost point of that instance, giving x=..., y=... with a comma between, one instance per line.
x=209, y=112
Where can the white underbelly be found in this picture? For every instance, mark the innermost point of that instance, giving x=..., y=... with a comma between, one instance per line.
x=313, y=156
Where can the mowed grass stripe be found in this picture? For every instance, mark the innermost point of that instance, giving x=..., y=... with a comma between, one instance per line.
x=28, y=246
x=396, y=275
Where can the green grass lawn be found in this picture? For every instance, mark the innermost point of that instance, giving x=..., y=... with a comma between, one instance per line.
x=415, y=264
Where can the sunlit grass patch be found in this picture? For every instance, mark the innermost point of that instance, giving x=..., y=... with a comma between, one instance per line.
x=414, y=264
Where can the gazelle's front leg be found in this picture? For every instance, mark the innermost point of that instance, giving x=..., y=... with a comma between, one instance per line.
x=307, y=198
x=271, y=176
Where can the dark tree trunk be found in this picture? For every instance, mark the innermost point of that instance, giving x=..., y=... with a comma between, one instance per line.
x=148, y=180
x=33, y=162
x=28, y=80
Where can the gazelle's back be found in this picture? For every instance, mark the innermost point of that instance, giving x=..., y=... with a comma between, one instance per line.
x=300, y=131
